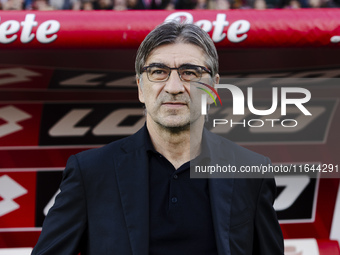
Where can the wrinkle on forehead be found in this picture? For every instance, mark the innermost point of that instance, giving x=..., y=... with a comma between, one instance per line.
x=177, y=54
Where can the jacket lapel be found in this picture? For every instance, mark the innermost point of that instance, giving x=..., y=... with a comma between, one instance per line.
x=221, y=190
x=220, y=199
x=133, y=183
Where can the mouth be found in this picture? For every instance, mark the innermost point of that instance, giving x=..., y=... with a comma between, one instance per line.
x=174, y=104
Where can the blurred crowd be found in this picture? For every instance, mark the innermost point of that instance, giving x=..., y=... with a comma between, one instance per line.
x=162, y=4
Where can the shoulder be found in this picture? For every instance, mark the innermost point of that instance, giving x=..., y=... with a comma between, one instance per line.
x=110, y=152
x=224, y=147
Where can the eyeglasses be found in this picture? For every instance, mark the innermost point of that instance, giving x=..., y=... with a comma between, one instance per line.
x=187, y=73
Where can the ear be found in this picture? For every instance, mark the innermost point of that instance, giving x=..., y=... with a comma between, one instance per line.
x=140, y=90
x=215, y=80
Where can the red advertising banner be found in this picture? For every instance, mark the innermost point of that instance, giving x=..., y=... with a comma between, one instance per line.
x=247, y=40
x=124, y=29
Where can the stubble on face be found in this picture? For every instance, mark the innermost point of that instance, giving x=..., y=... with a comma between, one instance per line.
x=170, y=104
x=171, y=118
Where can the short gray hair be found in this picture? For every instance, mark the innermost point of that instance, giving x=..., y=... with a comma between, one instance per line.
x=175, y=32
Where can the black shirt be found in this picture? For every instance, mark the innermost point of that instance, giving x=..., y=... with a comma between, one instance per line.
x=180, y=211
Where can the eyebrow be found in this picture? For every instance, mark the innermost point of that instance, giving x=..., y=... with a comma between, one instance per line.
x=164, y=65
x=157, y=64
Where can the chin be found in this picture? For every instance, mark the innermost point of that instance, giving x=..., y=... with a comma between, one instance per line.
x=175, y=127
x=178, y=129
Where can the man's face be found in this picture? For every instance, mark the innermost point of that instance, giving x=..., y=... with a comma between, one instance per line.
x=169, y=103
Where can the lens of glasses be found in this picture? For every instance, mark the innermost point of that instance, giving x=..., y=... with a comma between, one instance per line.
x=190, y=73
x=156, y=73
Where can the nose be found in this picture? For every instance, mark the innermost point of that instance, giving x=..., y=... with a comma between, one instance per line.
x=174, y=85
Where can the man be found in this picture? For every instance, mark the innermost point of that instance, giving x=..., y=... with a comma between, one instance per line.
x=135, y=195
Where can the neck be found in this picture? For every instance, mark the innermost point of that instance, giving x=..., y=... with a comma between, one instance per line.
x=175, y=144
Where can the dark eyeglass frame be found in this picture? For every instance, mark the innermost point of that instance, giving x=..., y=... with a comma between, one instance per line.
x=186, y=66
